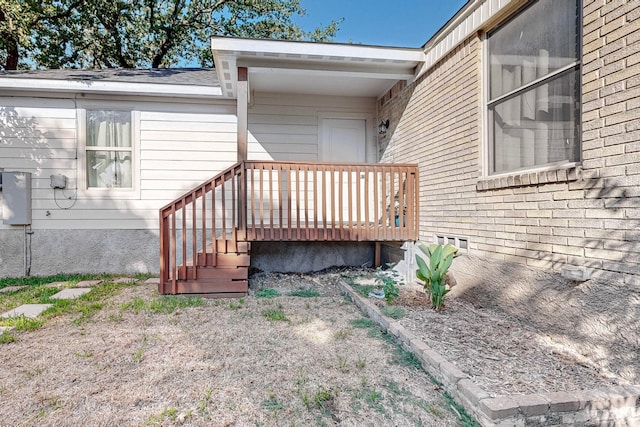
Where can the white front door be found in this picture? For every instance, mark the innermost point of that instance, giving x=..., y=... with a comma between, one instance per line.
x=344, y=140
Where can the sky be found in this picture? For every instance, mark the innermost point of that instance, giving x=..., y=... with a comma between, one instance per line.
x=400, y=23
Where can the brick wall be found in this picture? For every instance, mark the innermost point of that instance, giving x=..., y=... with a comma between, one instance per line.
x=587, y=216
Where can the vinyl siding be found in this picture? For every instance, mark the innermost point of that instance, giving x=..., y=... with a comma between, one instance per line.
x=180, y=145
x=286, y=127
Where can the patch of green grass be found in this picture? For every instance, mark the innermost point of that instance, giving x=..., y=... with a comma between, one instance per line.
x=165, y=304
x=304, y=293
x=23, y=323
x=84, y=307
x=393, y=311
x=136, y=305
x=267, y=293
x=464, y=419
x=322, y=396
x=7, y=337
x=362, y=323
x=275, y=315
x=170, y=413
x=405, y=358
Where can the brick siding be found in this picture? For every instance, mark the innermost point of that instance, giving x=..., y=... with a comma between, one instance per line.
x=586, y=216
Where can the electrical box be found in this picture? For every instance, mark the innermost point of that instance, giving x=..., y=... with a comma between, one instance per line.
x=16, y=192
x=58, y=181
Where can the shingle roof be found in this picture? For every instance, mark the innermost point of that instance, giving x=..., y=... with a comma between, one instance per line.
x=173, y=76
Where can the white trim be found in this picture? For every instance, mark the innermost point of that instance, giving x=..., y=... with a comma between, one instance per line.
x=121, y=193
x=535, y=169
x=475, y=15
x=108, y=87
x=525, y=87
x=485, y=129
x=341, y=52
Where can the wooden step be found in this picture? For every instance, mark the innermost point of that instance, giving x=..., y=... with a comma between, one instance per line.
x=224, y=260
x=229, y=246
x=230, y=273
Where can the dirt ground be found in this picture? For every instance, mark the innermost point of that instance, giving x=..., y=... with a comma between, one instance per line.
x=533, y=332
x=225, y=363
x=283, y=361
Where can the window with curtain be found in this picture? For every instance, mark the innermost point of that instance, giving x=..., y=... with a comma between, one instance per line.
x=109, y=149
x=534, y=87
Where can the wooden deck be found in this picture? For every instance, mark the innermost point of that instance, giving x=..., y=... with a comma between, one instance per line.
x=279, y=201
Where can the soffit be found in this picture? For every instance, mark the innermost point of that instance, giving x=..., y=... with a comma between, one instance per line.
x=313, y=68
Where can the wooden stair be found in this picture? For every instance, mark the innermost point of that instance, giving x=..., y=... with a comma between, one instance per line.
x=217, y=275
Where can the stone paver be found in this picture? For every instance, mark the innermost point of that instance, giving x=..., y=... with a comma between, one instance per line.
x=88, y=283
x=26, y=310
x=5, y=328
x=11, y=288
x=152, y=281
x=70, y=293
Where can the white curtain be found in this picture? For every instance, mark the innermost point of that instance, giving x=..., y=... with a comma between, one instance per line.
x=109, y=149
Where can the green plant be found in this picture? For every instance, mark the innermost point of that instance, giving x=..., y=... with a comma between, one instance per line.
x=22, y=323
x=362, y=323
x=393, y=312
x=389, y=280
x=275, y=314
x=433, y=273
x=267, y=293
x=322, y=396
x=6, y=337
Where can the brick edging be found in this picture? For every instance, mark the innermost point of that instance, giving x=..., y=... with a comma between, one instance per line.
x=618, y=405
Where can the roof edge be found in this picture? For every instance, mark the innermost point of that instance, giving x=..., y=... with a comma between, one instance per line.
x=108, y=87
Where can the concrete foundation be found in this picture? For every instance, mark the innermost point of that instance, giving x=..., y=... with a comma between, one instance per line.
x=80, y=251
x=305, y=257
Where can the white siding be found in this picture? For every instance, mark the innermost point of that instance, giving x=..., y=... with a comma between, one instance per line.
x=180, y=146
x=286, y=127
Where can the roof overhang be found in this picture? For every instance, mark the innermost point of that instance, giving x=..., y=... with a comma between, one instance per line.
x=107, y=87
x=277, y=66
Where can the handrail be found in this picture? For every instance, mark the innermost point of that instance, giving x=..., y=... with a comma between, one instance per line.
x=285, y=201
x=210, y=228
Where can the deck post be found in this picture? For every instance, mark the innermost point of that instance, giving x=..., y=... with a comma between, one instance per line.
x=242, y=111
x=376, y=256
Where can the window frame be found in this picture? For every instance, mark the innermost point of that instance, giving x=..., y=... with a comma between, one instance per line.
x=83, y=149
x=488, y=102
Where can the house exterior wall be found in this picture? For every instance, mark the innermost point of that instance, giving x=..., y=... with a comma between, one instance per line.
x=286, y=127
x=586, y=216
x=178, y=145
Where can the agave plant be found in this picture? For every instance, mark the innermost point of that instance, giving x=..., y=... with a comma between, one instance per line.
x=433, y=273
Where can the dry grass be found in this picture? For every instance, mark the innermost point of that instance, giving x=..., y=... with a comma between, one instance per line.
x=226, y=362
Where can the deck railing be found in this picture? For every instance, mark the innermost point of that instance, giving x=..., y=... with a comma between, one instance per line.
x=286, y=201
